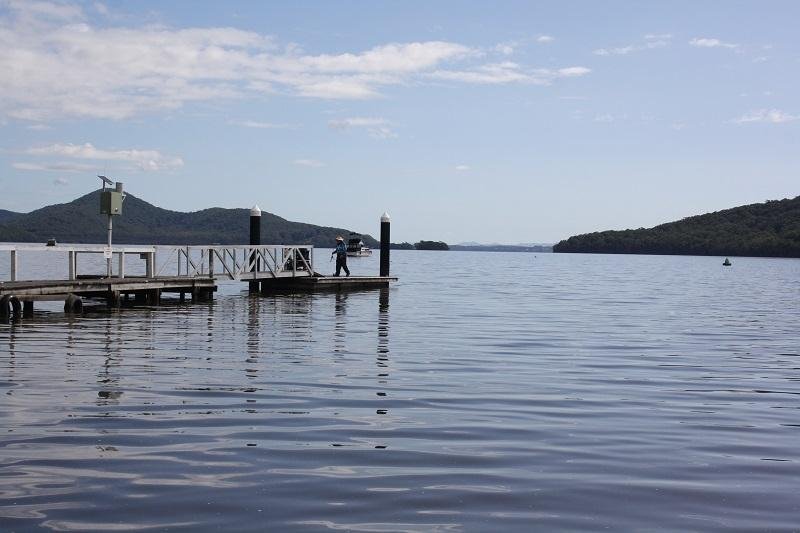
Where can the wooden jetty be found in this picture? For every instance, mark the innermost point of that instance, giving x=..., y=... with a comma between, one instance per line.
x=187, y=270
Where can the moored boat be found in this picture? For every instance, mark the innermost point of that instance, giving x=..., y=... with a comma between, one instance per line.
x=356, y=247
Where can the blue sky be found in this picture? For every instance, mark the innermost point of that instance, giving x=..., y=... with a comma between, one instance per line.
x=466, y=121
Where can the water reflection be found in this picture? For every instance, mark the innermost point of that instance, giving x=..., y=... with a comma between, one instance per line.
x=382, y=360
x=108, y=378
x=253, y=342
x=340, y=323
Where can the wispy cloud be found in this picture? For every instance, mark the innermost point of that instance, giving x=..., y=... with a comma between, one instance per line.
x=61, y=181
x=705, y=42
x=545, y=39
x=378, y=128
x=505, y=48
x=56, y=167
x=509, y=72
x=462, y=168
x=651, y=41
x=147, y=160
x=309, y=163
x=260, y=125
x=773, y=116
x=75, y=68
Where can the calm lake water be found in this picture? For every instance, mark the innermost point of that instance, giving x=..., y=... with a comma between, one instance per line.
x=482, y=392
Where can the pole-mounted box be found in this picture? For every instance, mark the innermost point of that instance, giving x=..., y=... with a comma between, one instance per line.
x=111, y=200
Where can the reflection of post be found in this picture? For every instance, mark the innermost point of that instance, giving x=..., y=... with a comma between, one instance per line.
x=340, y=326
x=106, y=379
x=253, y=336
x=383, y=343
x=12, y=357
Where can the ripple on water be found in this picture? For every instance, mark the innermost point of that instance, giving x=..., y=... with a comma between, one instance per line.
x=556, y=393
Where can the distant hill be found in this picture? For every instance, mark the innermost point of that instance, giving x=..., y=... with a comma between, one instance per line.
x=770, y=229
x=502, y=247
x=142, y=223
x=5, y=216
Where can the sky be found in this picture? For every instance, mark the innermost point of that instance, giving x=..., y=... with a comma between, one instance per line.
x=496, y=122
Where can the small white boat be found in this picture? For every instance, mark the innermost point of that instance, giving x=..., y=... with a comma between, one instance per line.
x=356, y=247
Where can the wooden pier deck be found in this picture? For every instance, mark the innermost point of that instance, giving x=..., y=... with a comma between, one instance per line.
x=275, y=268
x=327, y=283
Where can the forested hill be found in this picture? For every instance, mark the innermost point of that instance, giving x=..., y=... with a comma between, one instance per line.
x=5, y=216
x=771, y=229
x=80, y=221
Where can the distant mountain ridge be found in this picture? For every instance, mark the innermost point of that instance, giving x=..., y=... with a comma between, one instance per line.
x=8, y=215
x=501, y=247
x=80, y=221
x=770, y=229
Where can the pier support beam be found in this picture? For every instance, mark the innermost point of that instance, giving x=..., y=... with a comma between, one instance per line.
x=27, y=309
x=385, y=221
x=113, y=299
x=255, y=240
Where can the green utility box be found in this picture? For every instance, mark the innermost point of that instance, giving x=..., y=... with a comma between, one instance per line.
x=110, y=203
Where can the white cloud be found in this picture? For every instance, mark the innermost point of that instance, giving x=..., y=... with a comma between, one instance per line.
x=147, y=160
x=57, y=64
x=773, y=116
x=505, y=48
x=571, y=72
x=378, y=128
x=607, y=118
x=651, y=42
x=462, y=168
x=56, y=167
x=61, y=181
x=259, y=125
x=544, y=39
x=309, y=163
x=356, y=122
x=705, y=42
x=508, y=72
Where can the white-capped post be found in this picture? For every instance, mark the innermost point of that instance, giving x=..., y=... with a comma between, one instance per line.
x=255, y=240
x=385, y=221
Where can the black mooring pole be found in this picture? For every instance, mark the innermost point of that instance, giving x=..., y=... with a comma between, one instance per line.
x=255, y=240
x=385, y=221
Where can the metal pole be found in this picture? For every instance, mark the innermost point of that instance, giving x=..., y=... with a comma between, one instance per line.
x=108, y=260
x=255, y=240
x=385, y=221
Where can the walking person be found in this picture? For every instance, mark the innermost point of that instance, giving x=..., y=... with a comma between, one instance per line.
x=341, y=256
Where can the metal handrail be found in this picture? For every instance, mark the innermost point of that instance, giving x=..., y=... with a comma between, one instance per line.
x=238, y=262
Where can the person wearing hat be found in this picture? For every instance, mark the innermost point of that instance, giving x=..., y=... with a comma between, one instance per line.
x=341, y=256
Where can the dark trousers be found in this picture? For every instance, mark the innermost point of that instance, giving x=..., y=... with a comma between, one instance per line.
x=341, y=263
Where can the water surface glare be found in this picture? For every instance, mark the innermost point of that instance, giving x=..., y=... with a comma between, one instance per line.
x=482, y=392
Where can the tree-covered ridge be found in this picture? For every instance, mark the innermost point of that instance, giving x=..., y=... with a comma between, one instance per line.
x=770, y=229
x=8, y=215
x=80, y=221
x=431, y=245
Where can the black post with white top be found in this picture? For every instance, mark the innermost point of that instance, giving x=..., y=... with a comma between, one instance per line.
x=385, y=221
x=255, y=240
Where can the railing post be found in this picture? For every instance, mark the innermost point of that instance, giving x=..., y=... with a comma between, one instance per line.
x=210, y=263
x=122, y=263
x=72, y=259
x=14, y=265
x=150, y=264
